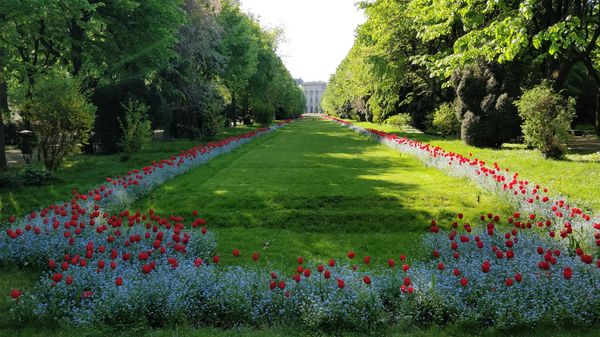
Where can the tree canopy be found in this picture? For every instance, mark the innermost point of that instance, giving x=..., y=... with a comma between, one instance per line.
x=198, y=64
x=407, y=52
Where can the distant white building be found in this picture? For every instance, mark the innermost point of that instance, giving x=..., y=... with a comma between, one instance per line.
x=313, y=91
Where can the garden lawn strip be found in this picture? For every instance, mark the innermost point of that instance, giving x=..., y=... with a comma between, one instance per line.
x=575, y=177
x=318, y=190
x=565, y=221
x=85, y=171
x=118, y=192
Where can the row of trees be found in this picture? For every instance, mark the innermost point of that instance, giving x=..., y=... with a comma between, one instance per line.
x=191, y=67
x=415, y=56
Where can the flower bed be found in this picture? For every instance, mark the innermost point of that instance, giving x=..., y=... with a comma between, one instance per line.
x=157, y=271
x=568, y=222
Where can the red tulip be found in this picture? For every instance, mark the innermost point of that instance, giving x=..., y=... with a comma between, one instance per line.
x=440, y=266
x=485, y=267
x=255, y=256
x=391, y=263
x=320, y=268
x=15, y=293
x=300, y=260
x=456, y=272
x=367, y=259
x=236, y=252
x=306, y=272
x=509, y=282
x=327, y=274
x=518, y=277
x=568, y=273
x=351, y=255
x=367, y=280
x=405, y=267
x=146, y=269
x=69, y=280
x=51, y=264
x=119, y=281
x=57, y=277
x=331, y=262
x=407, y=281
x=216, y=259
x=464, y=281
x=341, y=284
x=272, y=285
x=198, y=262
x=281, y=285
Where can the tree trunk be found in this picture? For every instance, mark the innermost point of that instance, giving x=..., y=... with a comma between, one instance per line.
x=3, y=109
x=594, y=74
x=233, y=109
x=597, y=124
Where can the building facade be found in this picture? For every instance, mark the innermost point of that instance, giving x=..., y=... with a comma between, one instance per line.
x=313, y=91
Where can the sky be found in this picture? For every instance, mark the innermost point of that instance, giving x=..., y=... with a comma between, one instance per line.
x=317, y=33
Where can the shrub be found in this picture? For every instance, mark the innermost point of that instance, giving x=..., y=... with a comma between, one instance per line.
x=485, y=108
x=445, y=121
x=263, y=113
x=547, y=119
x=400, y=121
x=136, y=129
x=61, y=116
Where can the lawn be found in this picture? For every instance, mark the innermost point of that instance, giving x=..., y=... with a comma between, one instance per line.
x=84, y=172
x=577, y=177
x=318, y=190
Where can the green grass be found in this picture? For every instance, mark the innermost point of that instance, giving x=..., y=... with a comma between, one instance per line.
x=84, y=172
x=576, y=178
x=318, y=190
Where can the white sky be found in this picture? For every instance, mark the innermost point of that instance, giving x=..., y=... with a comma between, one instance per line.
x=318, y=33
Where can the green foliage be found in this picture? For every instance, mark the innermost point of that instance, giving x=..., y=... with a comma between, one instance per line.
x=547, y=118
x=61, y=116
x=27, y=176
x=445, y=121
x=136, y=128
x=401, y=121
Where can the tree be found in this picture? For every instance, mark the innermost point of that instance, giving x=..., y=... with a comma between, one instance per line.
x=552, y=36
x=240, y=49
x=189, y=83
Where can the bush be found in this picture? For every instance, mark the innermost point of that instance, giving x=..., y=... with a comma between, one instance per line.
x=400, y=121
x=60, y=115
x=547, y=118
x=263, y=113
x=485, y=108
x=28, y=176
x=136, y=129
x=445, y=121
